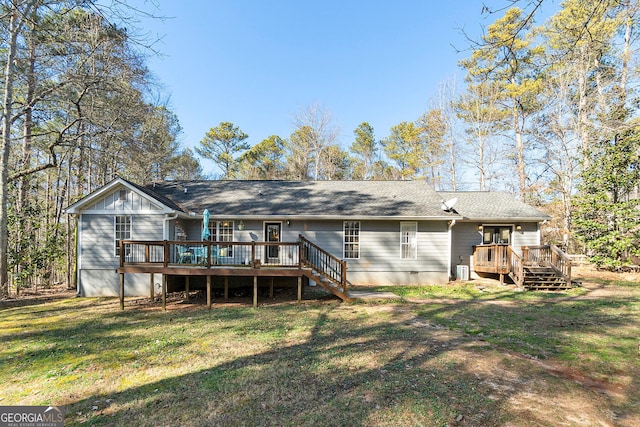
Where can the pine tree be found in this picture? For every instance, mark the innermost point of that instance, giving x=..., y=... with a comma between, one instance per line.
x=607, y=212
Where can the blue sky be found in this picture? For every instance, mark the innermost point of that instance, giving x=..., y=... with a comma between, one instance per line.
x=258, y=63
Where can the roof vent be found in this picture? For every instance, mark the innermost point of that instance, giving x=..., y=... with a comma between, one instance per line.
x=185, y=190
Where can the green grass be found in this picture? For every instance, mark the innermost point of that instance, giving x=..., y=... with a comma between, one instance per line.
x=324, y=363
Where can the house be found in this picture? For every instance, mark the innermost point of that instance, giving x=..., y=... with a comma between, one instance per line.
x=340, y=232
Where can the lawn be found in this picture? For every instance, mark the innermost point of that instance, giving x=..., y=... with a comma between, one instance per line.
x=436, y=356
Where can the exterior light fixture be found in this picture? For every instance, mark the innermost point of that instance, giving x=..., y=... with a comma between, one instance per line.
x=480, y=227
x=518, y=227
x=241, y=225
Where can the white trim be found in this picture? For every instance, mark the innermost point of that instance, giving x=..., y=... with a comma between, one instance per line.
x=415, y=253
x=344, y=236
x=126, y=212
x=264, y=230
x=266, y=248
x=503, y=225
x=79, y=206
x=79, y=254
x=115, y=220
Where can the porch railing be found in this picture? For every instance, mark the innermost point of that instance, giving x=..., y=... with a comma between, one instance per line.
x=492, y=258
x=501, y=259
x=205, y=254
x=209, y=254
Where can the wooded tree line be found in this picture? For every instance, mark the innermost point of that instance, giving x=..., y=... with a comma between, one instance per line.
x=553, y=105
x=548, y=112
x=79, y=107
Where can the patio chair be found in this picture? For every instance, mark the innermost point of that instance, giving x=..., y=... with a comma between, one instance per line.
x=184, y=254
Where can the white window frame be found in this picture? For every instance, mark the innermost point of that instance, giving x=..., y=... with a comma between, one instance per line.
x=350, y=238
x=215, y=228
x=120, y=234
x=501, y=227
x=409, y=240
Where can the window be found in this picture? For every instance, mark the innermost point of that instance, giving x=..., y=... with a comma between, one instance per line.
x=351, y=239
x=122, y=231
x=408, y=240
x=492, y=234
x=222, y=231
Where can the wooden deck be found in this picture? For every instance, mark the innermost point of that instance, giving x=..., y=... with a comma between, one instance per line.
x=539, y=267
x=232, y=259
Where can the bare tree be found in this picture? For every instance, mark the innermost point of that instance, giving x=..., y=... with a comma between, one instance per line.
x=320, y=133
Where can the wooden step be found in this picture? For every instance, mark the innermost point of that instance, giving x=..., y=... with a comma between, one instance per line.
x=539, y=277
x=329, y=285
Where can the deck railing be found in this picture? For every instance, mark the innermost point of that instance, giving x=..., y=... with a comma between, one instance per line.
x=209, y=254
x=205, y=254
x=492, y=258
x=501, y=259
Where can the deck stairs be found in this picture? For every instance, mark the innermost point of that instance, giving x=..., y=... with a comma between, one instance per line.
x=543, y=277
x=327, y=283
x=324, y=269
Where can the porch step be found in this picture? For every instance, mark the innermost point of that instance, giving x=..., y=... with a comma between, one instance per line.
x=327, y=283
x=540, y=277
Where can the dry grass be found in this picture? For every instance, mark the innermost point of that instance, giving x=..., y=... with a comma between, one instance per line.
x=499, y=358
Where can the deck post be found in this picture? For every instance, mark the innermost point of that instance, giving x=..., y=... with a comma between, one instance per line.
x=209, y=292
x=226, y=288
x=255, y=291
x=271, y=288
x=299, y=289
x=121, y=291
x=186, y=287
x=253, y=254
x=164, y=292
x=166, y=252
x=151, y=295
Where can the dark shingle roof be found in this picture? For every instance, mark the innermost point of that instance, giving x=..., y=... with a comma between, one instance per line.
x=414, y=199
x=304, y=198
x=487, y=206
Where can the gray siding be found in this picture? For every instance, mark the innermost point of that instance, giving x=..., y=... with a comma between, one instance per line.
x=98, y=263
x=528, y=236
x=379, y=262
x=466, y=235
x=98, y=250
x=101, y=283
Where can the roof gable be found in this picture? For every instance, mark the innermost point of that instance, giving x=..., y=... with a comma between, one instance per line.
x=118, y=195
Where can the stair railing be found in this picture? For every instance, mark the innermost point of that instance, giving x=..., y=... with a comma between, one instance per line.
x=517, y=267
x=323, y=262
x=551, y=256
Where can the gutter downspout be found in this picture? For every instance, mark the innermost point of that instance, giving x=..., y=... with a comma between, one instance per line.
x=450, y=257
x=165, y=228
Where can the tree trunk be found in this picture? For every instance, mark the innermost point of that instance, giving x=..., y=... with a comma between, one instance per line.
x=522, y=177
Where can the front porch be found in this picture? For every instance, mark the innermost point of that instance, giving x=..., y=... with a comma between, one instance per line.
x=537, y=267
x=209, y=259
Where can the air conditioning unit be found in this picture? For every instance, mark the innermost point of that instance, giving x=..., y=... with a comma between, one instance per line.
x=462, y=272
